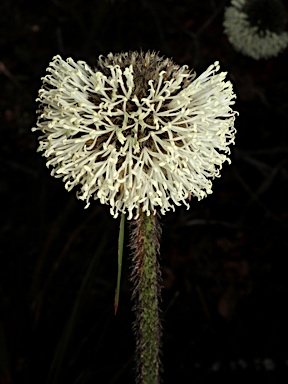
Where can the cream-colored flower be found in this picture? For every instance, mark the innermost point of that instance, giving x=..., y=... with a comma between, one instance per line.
x=138, y=132
x=256, y=28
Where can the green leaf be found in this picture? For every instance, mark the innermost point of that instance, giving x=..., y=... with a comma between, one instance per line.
x=120, y=256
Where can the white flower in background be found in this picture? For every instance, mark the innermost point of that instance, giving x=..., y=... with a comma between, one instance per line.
x=256, y=28
x=138, y=132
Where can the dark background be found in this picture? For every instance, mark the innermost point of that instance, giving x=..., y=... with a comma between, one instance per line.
x=224, y=265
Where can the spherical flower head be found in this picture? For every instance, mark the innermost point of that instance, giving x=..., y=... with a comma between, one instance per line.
x=137, y=132
x=256, y=28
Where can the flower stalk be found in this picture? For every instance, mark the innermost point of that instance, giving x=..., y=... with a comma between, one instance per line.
x=145, y=277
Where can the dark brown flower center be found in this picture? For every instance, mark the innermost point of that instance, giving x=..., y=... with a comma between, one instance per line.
x=267, y=15
x=146, y=66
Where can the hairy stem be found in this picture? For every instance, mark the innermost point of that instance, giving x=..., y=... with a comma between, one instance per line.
x=145, y=277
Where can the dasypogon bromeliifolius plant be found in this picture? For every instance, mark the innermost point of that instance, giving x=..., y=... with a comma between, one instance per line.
x=141, y=134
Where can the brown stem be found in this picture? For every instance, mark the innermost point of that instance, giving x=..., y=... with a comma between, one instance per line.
x=145, y=277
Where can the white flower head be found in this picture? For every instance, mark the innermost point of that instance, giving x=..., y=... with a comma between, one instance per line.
x=138, y=132
x=256, y=28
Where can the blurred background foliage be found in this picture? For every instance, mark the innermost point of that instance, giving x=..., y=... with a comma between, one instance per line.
x=224, y=262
